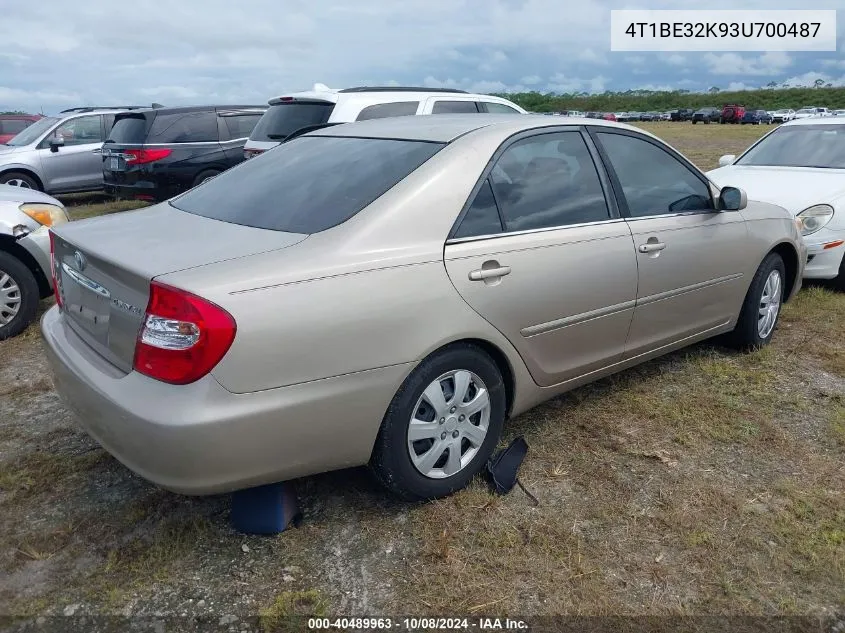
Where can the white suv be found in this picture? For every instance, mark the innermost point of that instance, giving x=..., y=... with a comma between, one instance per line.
x=300, y=112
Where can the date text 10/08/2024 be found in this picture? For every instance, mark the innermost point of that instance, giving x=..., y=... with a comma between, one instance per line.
x=417, y=624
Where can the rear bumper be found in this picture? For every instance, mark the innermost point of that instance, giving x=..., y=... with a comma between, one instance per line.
x=202, y=439
x=144, y=190
x=824, y=256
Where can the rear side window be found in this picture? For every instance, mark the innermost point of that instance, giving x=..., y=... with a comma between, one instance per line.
x=241, y=125
x=499, y=108
x=308, y=184
x=482, y=217
x=283, y=119
x=384, y=110
x=454, y=107
x=183, y=127
x=131, y=129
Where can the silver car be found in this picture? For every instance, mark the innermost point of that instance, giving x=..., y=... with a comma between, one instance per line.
x=59, y=154
x=25, y=217
x=390, y=291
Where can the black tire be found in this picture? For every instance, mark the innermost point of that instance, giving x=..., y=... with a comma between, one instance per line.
x=18, y=175
x=391, y=462
x=746, y=335
x=694, y=121
x=205, y=175
x=839, y=281
x=27, y=291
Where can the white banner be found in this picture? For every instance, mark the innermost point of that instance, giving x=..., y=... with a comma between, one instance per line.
x=713, y=30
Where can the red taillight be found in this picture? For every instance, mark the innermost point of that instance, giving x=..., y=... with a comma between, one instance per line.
x=54, y=272
x=183, y=336
x=141, y=156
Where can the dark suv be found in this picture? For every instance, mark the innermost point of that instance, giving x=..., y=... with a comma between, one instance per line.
x=157, y=153
x=706, y=115
x=684, y=114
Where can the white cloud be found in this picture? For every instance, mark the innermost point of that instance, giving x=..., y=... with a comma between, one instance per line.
x=531, y=80
x=809, y=79
x=735, y=64
x=635, y=60
x=592, y=57
x=833, y=63
x=675, y=59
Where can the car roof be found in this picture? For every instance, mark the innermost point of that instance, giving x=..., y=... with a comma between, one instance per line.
x=204, y=108
x=824, y=120
x=321, y=92
x=444, y=128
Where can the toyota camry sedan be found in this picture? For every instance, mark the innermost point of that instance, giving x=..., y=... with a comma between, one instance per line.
x=389, y=292
x=801, y=166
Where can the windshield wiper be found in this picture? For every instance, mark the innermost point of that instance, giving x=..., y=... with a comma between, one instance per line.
x=277, y=137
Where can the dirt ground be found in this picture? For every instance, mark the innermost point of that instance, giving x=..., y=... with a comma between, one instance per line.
x=705, y=482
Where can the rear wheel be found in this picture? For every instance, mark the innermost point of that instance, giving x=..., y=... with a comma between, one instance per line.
x=18, y=179
x=761, y=308
x=203, y=176
x=442, y=425
x=18, y=296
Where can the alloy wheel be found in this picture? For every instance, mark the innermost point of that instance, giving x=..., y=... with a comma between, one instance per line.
x=10, y=298
x=770, y=301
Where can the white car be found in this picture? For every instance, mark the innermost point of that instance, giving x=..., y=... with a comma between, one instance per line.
x=321, y=106
x=838, y=113
x=25, y=217
x=783, y=116
x=811, y=112
x=800, y=166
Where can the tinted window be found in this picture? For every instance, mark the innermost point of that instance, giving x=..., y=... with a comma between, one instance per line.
x=183, y=127
x=241, y=125
x=13, y=126
x=800, y=146
x=499, y=108
x=482, y=217
x=653, y=181
x=285, y=118
x=129, y=129
x=454, y=107
x=384, y=110
x=548, y=180
x=30, y=134
x=307, y=185
x=79, y=131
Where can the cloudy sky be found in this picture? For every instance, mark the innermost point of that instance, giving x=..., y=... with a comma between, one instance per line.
x=60, y=53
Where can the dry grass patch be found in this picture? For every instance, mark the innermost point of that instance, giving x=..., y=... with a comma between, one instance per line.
x=39, y=472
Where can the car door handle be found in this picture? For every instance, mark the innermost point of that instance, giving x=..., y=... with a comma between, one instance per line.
x=652, y=247
x=489, y=273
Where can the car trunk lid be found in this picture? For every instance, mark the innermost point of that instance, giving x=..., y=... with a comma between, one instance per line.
x=104, y=267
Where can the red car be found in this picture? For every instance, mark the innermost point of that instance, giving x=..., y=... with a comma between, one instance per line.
x=732, y=113
x=609, y=116
x=13, y=124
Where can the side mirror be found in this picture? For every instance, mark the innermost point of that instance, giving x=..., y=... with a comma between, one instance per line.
x=56, y=143
x=727, y=159
x=732, y=199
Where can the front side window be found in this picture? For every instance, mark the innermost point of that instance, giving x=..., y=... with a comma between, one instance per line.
x=80, y=131
x=547, y=181
x=384, y=110
x=653, y=181
x=454, y=107
x=308, y=184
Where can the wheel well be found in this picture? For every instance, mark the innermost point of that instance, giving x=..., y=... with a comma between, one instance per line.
x=790, y=260
x=22, y=170
x=502, y=364
x=9, y=245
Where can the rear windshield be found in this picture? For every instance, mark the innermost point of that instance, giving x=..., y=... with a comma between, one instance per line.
x=307, y=185
x=283, y=119
x=129, y=129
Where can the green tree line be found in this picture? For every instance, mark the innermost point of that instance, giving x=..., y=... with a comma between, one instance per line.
x=772, y=98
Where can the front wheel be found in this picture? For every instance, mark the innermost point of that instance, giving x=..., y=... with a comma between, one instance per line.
x=18, y=296
x=18, y=179
x=761, y=308
x=442, y=425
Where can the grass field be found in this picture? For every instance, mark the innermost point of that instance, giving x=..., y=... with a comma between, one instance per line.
x=705, y=482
